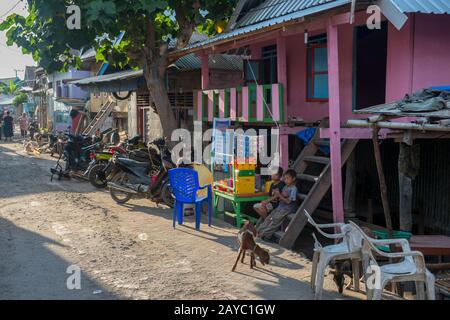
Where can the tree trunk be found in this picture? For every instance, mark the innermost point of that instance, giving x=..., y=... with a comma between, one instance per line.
x=159, y=96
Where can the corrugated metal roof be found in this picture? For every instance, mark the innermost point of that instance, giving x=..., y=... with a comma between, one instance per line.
x=124, y=75
x=423, y=6
x=320, y=5
x=216, y=61
x=271, y=9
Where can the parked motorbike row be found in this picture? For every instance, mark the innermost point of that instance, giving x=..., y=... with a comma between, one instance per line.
x=130, y=169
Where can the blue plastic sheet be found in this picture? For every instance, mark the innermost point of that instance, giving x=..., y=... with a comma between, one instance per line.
x=307, y=135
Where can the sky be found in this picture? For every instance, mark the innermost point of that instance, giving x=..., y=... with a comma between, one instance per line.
x=11, y=57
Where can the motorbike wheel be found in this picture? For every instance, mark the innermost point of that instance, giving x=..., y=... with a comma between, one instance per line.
x=166, y=194
x=119, y=196
x=97, y=176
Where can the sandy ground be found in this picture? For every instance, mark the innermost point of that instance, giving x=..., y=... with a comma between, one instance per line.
x=123, y=252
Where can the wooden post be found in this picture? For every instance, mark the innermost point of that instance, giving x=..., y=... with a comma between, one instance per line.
x=350, y=187
x=205, y=71
x=335, y=122
x=383, y=188
x=408, y=169
x=405, y=190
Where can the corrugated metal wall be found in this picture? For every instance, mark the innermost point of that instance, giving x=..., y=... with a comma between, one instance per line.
x=432, y=186
x=431, y=189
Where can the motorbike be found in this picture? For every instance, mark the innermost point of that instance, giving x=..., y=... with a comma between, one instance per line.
x=77, y=155
x=131, y=178
x=100, y=166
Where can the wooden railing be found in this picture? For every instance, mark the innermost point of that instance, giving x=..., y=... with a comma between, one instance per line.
x=254, y=103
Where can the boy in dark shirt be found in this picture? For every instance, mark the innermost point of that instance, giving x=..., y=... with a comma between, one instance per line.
x=266, y=207
x=288, y=205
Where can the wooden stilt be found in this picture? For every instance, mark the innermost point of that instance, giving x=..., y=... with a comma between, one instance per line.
x=350, y=187
x=383, y=188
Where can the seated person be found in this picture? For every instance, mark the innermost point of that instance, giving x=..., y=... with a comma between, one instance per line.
x=287, y=205
x=264, y=208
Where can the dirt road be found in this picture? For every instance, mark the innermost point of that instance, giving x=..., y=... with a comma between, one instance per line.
x=123, y=252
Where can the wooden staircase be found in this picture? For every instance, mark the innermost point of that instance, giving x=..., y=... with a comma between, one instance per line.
x=99, y=119
x=311, y=156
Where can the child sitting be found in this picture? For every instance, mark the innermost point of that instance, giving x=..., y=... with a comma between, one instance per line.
x=287, y=205
x=265, y=207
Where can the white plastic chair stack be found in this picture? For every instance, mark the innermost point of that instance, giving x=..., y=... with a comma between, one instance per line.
x=411, y=267
x=348, y=249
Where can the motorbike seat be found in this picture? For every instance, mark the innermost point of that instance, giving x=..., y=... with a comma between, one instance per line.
x=132, y=163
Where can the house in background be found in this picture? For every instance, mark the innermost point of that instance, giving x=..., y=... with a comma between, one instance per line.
x=64, y=96
x=310, y=60
x=27, y=88
x=6, y=104
x=7, y=100
x=135, y=113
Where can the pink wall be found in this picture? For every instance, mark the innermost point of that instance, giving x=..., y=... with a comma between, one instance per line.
x=297, y=68
x=418, y=55
x=399, y=61
x=431, y=51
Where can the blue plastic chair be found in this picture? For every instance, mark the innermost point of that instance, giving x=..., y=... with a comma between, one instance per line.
x=185, y=185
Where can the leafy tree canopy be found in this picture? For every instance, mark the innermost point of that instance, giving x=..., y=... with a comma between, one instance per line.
x=149, y=26
x=20, y=98
x=11, y=89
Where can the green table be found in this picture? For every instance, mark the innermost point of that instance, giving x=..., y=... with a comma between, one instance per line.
x=236, y=200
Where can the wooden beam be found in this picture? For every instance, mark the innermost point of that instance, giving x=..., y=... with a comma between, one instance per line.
x=205, y=71
x=383, y=187
x=350, y=187
x=356, y=133
x=335, y=122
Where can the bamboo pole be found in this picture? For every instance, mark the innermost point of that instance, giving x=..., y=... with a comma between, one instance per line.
x=383, y=188
x=398, y=125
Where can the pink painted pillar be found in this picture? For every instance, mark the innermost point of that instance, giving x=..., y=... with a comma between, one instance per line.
x=260, y=105
x=275, y=102
x=222, y=103
x=199, y=105
x=233, y=105
x=282, y=78
x=282, y=69
x=335, y=122
x=284, y=151
x=245, y=105
x=205, y=71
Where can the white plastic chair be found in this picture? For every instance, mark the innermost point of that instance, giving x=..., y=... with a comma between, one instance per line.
x=348, y=249
x=410, y=268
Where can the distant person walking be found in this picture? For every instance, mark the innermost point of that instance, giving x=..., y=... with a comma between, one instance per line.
x=24, y=122
x=8, y=127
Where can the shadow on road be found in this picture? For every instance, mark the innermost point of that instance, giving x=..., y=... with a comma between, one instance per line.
x=30, y=268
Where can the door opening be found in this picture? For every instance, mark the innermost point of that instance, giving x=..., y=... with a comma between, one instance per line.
x=370, y=63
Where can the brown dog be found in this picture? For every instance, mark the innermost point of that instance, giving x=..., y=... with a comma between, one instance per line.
x=246, y=239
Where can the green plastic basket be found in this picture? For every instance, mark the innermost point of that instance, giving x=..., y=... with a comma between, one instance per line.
x=385, y=235
x=397, y=234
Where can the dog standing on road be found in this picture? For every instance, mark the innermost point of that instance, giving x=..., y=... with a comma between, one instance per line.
x=246, y=240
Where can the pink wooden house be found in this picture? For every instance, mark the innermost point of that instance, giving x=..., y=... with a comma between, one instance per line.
x=314, y=59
